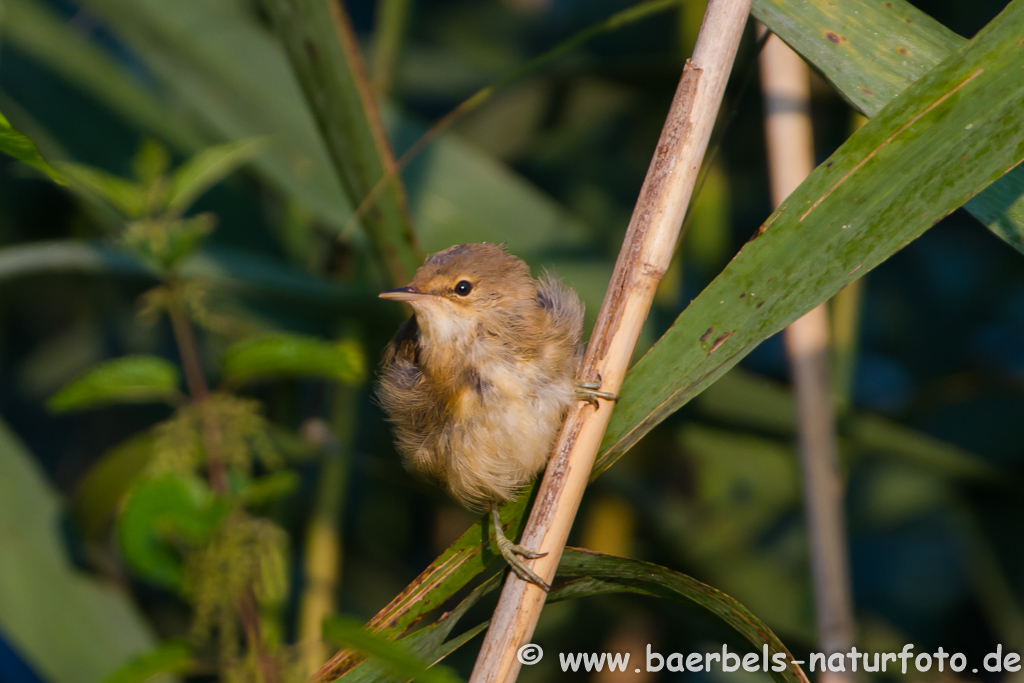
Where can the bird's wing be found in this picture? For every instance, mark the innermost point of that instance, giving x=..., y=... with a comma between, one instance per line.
x=405, y=344
x=410, y=403
x=563, y=306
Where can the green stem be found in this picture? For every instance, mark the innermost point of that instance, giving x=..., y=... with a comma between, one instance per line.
x=187, y=347
x=392, y=22
x=323, y=553
x=199, y=391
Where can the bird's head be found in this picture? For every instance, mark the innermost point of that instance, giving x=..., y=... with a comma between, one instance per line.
x=465, y=286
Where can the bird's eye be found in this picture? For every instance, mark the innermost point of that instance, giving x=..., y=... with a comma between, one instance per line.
x=463, y=287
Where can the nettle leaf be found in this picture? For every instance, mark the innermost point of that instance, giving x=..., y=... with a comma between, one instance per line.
x=163, y=243
x=162, y=517
x=132, y=379
x=128, y=197
x=98, y=493
x=21, y=147
x=283, y=355
x=150, y=163
x=207, y=168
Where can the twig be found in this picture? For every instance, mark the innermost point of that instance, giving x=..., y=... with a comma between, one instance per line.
x=645, y=255
x=187, y=347
x=197, y=388
x=784, y=78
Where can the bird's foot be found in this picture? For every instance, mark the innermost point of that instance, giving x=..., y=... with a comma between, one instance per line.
x=589, y=392
x=514, y=554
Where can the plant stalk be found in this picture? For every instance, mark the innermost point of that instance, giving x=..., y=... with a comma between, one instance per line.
x=388, y=38
x=645, y=256
x=785, y=82
x=323, y=552
x=199, y=391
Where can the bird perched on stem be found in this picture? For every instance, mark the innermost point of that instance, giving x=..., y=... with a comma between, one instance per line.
x=477, y=382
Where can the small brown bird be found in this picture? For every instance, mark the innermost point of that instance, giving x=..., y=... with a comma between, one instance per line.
x=478, y=380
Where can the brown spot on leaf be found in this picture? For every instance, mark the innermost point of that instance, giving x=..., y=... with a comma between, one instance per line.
x=903, y=51
x=760, y=304
x=719, y=342
x=743, y=295
x=833, y=37
x=704, y=337
x=866, y=91
x=888, y=5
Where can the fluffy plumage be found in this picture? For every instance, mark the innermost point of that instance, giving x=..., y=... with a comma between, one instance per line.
x=477, y=384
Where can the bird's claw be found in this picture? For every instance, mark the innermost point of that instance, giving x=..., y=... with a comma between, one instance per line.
x=589, y=392
x=513, y=554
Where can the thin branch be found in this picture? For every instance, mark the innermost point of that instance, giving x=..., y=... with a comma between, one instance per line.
x=785, y=81
x=197, y=387
x=645, y=256
x=187, y=347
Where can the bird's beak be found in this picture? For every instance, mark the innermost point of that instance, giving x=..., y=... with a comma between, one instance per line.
x=404, y=294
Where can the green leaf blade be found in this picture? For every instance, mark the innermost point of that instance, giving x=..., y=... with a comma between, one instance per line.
x=620, y=574
x=66, y=625
x=394, y=656
x=132, y=379
x=127, y=197
x=942, y=141
x=871, y=52
x=280, y=355
x=19, y=146
x=325, y=58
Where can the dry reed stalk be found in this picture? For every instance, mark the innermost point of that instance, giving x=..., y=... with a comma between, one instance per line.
x=785, y=82
x=645, y=256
